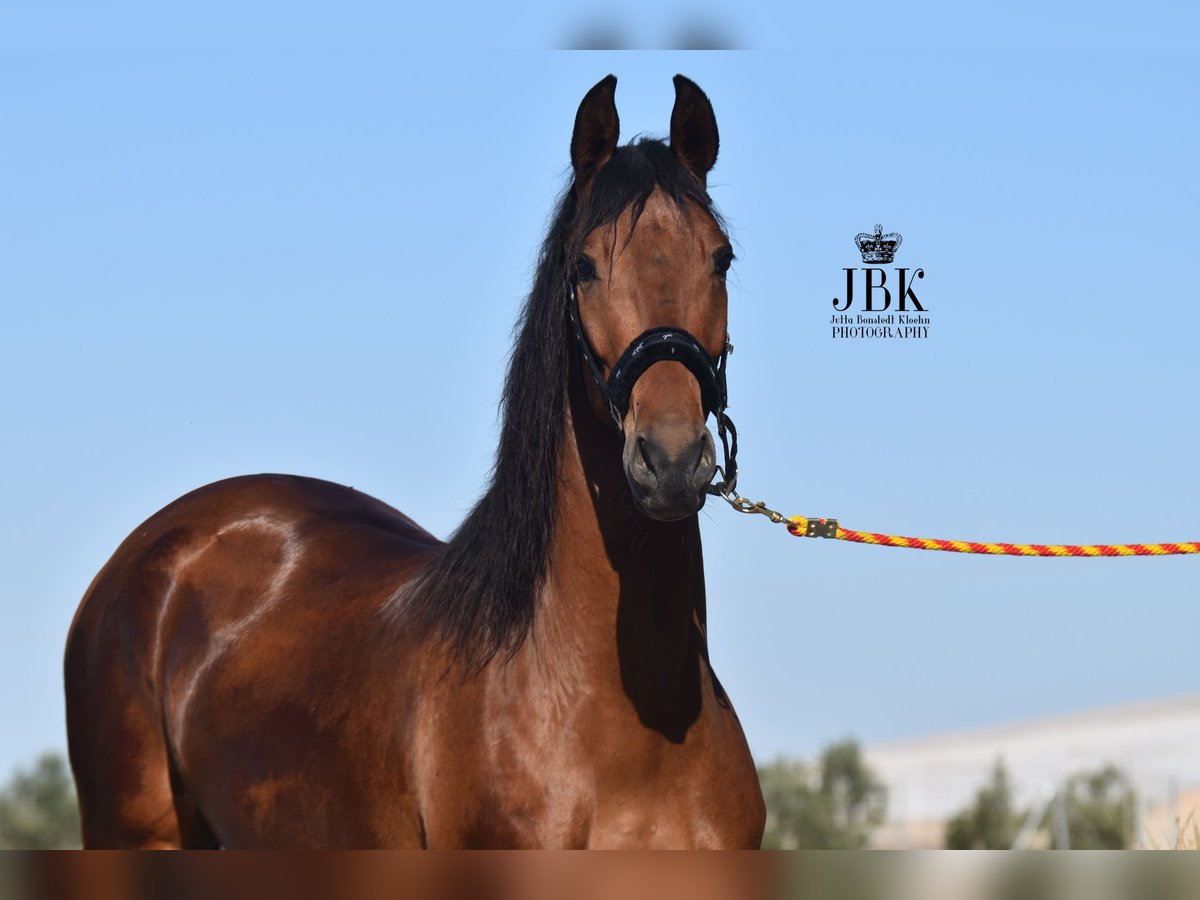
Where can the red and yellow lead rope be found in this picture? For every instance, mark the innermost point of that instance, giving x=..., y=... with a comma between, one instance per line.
x=804, y=527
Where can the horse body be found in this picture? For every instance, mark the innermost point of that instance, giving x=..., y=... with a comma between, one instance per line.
x=272, y=661
x=264, y=687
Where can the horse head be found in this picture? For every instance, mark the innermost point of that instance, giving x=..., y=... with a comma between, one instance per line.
x=648, y=297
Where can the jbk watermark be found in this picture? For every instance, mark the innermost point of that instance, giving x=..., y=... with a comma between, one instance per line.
x=880, y=319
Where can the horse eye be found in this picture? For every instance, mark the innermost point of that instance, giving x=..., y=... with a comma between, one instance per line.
x=585, y=269
x=723, y=259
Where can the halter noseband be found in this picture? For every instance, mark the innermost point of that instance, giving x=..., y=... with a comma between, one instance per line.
x=656, y=345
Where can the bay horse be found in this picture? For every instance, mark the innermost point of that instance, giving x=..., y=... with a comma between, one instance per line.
x=277, y=661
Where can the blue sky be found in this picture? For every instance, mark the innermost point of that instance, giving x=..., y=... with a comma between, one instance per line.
x=240, y=248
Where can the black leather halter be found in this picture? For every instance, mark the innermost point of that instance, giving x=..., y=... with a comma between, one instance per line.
x=657, y=345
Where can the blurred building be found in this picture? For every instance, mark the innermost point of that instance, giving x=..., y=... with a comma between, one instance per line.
x=1156, y=744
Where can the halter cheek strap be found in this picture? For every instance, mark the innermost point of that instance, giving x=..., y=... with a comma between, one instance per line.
x=658, y=345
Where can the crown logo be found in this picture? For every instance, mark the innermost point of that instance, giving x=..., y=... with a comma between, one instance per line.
x=878, y=247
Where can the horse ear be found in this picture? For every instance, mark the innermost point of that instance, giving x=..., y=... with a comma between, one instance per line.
x=596, y=130
x=694, y=139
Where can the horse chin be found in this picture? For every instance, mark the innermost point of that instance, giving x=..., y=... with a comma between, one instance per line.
x=666, y=506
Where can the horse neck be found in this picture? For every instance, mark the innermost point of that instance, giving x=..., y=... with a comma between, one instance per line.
x=623, y=605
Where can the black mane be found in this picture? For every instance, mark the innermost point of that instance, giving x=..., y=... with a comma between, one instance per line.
x=479, y=590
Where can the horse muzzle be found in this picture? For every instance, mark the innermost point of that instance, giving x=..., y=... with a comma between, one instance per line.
x=669, y=470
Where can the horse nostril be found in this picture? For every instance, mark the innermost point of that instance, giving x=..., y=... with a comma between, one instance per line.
x=645, y=457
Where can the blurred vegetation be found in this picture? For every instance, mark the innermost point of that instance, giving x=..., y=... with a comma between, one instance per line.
x=832, y=805
x=38, y=809
x=1097, y=809
x=990, y=822
x=1101, y=810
